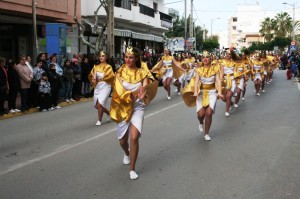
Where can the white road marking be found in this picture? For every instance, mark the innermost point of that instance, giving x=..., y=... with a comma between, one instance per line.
x=64, y=148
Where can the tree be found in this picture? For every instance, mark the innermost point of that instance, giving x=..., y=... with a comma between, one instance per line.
x=267, y=28
x=178, y=30
x=283, y=25
x=97, y=27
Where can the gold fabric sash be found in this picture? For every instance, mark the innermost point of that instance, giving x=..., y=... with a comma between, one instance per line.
x=121, y=103
x=188, y=92
x=228, y=80
x=205, y=96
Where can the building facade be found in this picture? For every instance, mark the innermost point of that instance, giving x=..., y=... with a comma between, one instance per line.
x=16, y=25
x=140, y=23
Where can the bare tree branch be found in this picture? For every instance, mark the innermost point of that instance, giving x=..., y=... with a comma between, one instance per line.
x=97, y=28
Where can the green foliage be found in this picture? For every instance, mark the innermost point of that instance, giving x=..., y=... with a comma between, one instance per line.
x=210, y=45
x=281, y=42
x=178, y=30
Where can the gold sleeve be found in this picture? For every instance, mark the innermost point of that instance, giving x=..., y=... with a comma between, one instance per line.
x=109, y=75
x=121, y=104
x=188, y=92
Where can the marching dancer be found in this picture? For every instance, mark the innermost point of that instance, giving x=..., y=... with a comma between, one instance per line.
x=257, y=70
x=167, y=68
x=101, y=77
x=203, y=90
x=131, y=93
x=228, y=70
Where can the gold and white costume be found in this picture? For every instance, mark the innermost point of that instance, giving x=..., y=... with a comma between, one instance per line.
x=229, y=69
x=124, y=109
x=207, y=94
x=104, y=77
x=241, y=71
x=257, y=70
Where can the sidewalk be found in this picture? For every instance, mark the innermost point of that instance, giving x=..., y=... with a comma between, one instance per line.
x=34, y=109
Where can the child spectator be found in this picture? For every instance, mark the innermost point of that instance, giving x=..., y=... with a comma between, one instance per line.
x=45, y=94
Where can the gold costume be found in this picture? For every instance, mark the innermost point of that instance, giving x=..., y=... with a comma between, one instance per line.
x=227, y=80
x=101, y=68
x=122, y=100
x=188, y=91
x=165, y=63
x=255, y=71
x=241, y=71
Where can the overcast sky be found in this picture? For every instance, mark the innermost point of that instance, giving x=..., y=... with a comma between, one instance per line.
x=205, y=10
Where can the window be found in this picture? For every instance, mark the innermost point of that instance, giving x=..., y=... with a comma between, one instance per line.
x=234, y=19
x=234, y=27
x=155, y=7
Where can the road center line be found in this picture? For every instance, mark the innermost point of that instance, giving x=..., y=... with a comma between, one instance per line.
x=68, y=147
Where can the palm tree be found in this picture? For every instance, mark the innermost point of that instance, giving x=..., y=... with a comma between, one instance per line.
x=283, y=24
x=267, y=28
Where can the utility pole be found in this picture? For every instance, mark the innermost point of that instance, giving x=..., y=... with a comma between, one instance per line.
x=110, y=29
x=185, y=25
x=191, y=20
x=35, y=46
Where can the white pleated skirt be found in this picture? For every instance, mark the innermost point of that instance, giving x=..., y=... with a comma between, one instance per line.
x=137, y=120
x=168, y=73
x=212, y=100
x=101, y=93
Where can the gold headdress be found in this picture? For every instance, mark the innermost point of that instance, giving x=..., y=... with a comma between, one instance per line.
x=206, y=53
x=102, y=53
x=257, y=54
x=227, y=52
x=130, y=50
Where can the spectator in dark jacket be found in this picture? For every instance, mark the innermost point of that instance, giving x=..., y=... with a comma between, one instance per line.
x=55, y=84
x=78, y=79
x=86, y=69
x=68, y=76
x=4, y=86
x=14, y=86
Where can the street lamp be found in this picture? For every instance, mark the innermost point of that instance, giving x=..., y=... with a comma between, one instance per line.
x=35, y=43
x=293, y=34
x=211, y=22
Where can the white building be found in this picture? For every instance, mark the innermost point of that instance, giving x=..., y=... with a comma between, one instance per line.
x=244, y=28
x=140, y=23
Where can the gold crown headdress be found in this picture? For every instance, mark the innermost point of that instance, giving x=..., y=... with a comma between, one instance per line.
x=227, y=52
x=102, y=53
x=257, y=54
x=205, y=53
x=129, y=50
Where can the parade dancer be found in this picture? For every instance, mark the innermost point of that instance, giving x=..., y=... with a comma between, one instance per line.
x=257, y=70
x=131, y=93
x=101, y=77
x=180, y=82
x=167, y=68
x=266, y=64
x=203, y=90
x=240, y=76
x=228, y=70
x=246, y=62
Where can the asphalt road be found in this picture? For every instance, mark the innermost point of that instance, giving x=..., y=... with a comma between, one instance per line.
x=253, y=154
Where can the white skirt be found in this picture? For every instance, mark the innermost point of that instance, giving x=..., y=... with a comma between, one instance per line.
x=168, y=73
x=136, y=120
x=212, y=100
x=241, y=84
x=190, y=75
x=257, y=76
x=233, y=86
x=101, y=93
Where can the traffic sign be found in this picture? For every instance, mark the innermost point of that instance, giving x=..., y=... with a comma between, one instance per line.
x=293, y=43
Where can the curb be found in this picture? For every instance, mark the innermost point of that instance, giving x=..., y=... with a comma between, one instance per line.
x=35, y=110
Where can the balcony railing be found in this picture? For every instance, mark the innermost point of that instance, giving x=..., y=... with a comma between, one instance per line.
x=126, y=4
x=146, y=10
x=165, y=17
